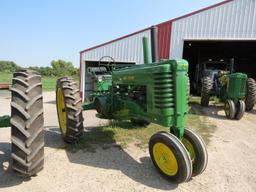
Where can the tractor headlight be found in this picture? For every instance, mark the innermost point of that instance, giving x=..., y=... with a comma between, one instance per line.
x=99, y=79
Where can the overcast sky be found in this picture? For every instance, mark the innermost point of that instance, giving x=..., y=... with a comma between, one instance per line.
x=33, y=33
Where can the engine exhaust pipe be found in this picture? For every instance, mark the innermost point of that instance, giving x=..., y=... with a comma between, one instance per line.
x=146, y=52
x=154, y=44
x=232, y=62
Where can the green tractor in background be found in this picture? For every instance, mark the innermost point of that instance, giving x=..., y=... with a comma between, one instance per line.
x=150, y=93
x=26, y=122
x=236, y=90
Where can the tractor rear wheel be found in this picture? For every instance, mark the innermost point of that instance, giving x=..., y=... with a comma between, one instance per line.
x=250, y=99
x=230, y=109
x=170, y=157
x=69, y=109
x=197, y=151
x=207, y=86
x=240, y=109
x=27, y=123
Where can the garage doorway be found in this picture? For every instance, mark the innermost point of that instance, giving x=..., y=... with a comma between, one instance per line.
x=243, y=52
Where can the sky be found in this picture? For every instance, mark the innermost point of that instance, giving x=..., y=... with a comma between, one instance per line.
x=33, y=33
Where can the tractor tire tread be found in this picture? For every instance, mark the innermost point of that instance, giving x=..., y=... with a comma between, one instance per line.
x=27, y=120
x=207, y=86
x=250, y=99
x=73, y=105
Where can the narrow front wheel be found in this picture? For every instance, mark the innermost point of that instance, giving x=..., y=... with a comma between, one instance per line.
x=240, y=109
x=230, y=109
x=197, y=151
x=170, y=157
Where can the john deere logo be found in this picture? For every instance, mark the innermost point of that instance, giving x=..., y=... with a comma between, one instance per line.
x=128, y=78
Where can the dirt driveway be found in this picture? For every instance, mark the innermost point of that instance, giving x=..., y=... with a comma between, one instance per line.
x=231, y=167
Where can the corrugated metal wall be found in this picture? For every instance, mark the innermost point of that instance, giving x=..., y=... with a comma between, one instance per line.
x=233, y=20
x=129, y=49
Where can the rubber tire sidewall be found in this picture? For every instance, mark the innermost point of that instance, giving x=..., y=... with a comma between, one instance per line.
x=184, y=163
x=240, y=110
x=201, y=155
x=232, y=109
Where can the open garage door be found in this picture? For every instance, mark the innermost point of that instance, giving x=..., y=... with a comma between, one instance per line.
x=244, y=53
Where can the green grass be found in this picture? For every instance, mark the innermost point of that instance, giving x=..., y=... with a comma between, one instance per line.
x=5, y=77
x=49, y=83
x=122, y=133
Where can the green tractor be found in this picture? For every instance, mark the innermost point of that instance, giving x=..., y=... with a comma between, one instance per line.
x=236, y=90
x=150, y=93
x=26, y=122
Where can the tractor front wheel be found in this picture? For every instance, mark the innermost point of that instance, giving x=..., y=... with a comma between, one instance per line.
x=69, y=109
x=197, y=151
x=230, y=109
x=240, y=109
x=170, y=157
x=250, y=99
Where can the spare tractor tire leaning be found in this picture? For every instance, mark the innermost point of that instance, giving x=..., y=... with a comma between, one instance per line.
x=27, y=121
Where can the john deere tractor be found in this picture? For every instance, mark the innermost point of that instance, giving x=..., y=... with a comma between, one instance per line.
x=26, y=122
x=236, y=90
x=154, y=93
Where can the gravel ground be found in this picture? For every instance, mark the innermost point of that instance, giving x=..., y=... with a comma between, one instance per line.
x=231, y=166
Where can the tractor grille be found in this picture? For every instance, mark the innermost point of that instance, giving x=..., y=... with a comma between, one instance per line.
x=163, y=90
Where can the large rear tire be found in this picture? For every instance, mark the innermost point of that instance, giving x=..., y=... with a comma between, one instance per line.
x=207, y=86
x=250, y=99
x=27, y=123
x=197, y=151
x=69, y=109
x=170, y=157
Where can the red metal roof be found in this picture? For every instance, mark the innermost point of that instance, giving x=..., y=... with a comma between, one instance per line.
x=163, y=51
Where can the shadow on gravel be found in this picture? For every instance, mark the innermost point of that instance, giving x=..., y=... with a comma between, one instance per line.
x=109, y=155
x=8, y=178
x=210, y=111
x=252, y=112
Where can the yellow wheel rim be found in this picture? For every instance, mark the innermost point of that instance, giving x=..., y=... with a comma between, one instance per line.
x=61, y=111
x=165, y=159
x=188, y=145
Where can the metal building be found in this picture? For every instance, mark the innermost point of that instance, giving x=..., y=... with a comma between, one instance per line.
x=224, y=30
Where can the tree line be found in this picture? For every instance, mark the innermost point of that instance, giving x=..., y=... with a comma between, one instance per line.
x=57, y=68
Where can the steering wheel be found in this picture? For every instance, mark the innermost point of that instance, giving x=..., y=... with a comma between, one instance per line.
x=110, y=60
